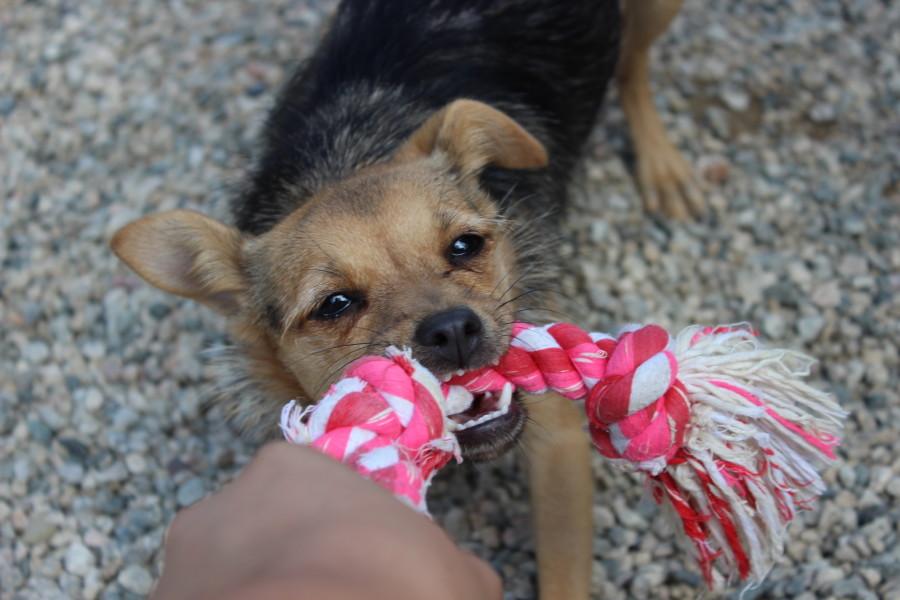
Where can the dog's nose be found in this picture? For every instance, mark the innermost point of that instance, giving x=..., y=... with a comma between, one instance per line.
x=452, y=334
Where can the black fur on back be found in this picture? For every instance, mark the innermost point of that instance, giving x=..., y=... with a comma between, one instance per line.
x=385, y=65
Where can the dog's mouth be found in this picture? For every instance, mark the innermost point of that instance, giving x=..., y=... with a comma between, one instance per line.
x=486, y=424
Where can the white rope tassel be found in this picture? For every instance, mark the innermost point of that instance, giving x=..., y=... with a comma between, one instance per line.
x=756, y=432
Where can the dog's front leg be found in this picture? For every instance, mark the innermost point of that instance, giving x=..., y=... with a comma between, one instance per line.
x=558, y=453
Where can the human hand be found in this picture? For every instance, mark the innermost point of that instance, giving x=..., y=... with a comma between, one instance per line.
x=297, y=524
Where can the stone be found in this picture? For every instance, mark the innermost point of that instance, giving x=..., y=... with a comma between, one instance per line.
x=648, y=578
x=36, y=352
x=39, y=529
x=827, y=295
x=599, y=232
x=71, y=472
x=136, y=463
x=871, y=576
x=623, y=538
x=893, y=487
x=79, y=560
x=190, y=492
x=7, y=105
x=827, y=577
x=39, y=431
x=160, y=311
x=809, y=327
x=603, y=518
x=76, y=449
x=714, y=169
x=880, y=477
x=93, y=399
x=735, y=98
x=136, y=579
x=854, y=587
x=490, y=537
x=773, y=326
x=822, y=113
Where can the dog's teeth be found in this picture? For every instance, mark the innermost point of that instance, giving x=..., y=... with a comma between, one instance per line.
x=505, y=397
x=459, y=399
x=454, y=399
x=482, y=419
x=460, y=372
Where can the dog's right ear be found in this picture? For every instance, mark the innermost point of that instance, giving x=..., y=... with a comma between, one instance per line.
x=188, y=254
x=472, y=135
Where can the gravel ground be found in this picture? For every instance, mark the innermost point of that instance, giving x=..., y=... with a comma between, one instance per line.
x=111, y=109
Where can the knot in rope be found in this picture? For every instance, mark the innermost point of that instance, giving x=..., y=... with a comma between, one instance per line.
x=385, y=418
x=639, y=411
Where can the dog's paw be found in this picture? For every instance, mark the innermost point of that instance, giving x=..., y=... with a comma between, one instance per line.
x=668, y=184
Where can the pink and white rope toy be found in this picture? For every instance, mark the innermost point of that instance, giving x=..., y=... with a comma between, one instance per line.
x=726, y=430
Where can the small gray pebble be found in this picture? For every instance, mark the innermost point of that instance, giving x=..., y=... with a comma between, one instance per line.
x=735, y=98
x=71, y=472
x=773, y=326
x=36, y=352
x=160, y=311
x=39, y=431
x=79, y=559
x=190, y=492
x=39, y=529
x=809, y=327
x=822, y=113
x=827, y=577
x=847, y=476
x=135, y=579
x=7, y=105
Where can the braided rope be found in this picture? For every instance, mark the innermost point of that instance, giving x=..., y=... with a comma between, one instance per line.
x=725, y=429
x=385, y=417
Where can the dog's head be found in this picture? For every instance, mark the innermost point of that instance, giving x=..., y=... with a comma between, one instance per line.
x=407, y=253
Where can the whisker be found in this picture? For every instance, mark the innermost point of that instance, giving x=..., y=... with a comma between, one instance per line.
x=496, y=285
x=522, y=295
x=323, y=350
x=377, y=333
x=566, y=316
x=513, y=285
x=349, y=356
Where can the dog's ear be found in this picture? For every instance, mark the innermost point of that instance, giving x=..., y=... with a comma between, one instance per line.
x=473, y=135
x=188, y=254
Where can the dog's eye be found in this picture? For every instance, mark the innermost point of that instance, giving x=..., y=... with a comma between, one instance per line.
x=465, y=247
x=335, y=305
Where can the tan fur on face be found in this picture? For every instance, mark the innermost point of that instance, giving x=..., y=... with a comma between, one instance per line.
x=384, y=234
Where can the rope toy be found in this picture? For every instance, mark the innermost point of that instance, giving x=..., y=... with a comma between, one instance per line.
x=726, y=430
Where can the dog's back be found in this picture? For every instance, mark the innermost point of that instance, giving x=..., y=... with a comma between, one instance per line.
x=385, y=65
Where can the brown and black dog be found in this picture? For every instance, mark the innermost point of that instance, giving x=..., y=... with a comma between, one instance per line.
x=397, y=202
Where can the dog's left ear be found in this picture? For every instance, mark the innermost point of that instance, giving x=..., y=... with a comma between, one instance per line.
x=188, y=254
x=473, y=135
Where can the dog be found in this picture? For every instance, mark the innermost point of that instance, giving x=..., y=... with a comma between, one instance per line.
x=402, y=197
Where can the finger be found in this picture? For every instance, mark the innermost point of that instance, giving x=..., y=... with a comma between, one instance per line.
x=487, y=582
